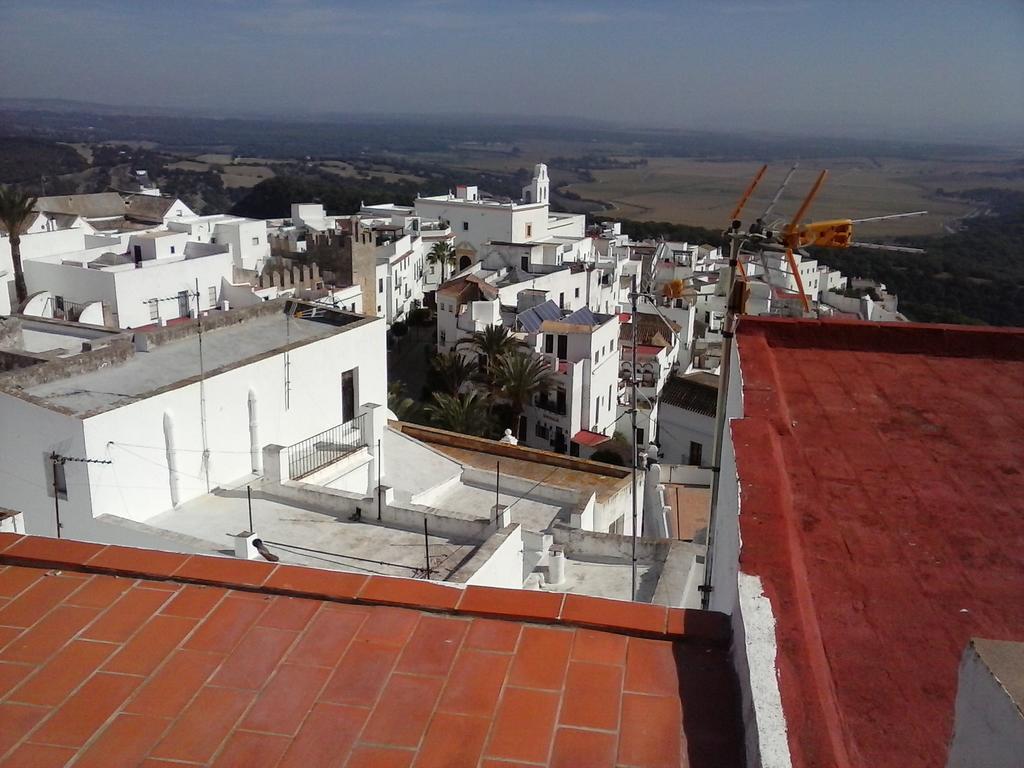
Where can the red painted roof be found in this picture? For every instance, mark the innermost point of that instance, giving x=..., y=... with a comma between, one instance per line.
x=883, y=508
x=113, y=656
x=586, y=437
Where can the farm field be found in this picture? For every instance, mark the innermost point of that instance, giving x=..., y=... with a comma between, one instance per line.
x=702, y=193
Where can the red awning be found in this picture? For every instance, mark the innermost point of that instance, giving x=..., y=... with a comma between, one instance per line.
x=586, y=437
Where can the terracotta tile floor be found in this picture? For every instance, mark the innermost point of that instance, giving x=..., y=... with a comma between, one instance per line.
x=157, y=673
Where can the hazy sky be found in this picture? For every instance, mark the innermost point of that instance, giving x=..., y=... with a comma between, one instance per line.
x=897, y=67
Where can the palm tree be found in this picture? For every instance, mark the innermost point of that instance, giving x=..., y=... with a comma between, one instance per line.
x=517, y=378
x=16, y=209
x=404, y=408
x=442, y=254
x=491, y=344
x=467, y=413
x=448, y=372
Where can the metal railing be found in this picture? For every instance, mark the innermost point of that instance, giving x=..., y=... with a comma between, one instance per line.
x=316, y=452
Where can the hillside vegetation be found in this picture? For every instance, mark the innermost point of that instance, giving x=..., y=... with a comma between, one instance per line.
x=23, y=159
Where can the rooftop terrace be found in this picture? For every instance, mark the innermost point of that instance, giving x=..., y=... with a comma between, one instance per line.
x=232, y=339
x=882, y=505
x=117, y=656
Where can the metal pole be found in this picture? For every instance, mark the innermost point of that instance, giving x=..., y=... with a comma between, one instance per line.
x=632, y=377
x=202, y=393
x=56, y=496
x=426, y=546
x=380, y=505
x=248, y=496
x=497, y=489
x=723, y=393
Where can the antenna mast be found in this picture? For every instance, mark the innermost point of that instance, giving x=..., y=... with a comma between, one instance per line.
x=202, y=393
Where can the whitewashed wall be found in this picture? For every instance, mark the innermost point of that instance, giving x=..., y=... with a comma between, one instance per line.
x=137, y=485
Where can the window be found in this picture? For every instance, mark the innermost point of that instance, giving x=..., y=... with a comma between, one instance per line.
x=183, y=303
x=172, y=249
x=465, y=226
x=563, y=346
x=560, y=400
x=213, y=295
x=524, y=263
x=577, y=293
x=59, y=482
x=154, y=309
x=695, y=454
x=597, y=356
x=443, y=338
x=380, y=284
x=541, y=430
x=348, y=396
x=609, y=397
x=255, y=241
x=561, y=300
x=529, y=230
x=549, y=343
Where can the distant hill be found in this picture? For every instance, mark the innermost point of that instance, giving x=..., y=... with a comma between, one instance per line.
x=23, y=159
x=972, y=276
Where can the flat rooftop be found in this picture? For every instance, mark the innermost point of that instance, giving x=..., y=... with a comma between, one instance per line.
x=544, y=467
x=882, y=505
x=120, y=656
x=176, y=362
x=302, y=536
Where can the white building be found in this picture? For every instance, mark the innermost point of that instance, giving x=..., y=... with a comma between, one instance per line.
x=578, y=414
x=247, y=238
x=686, y=419
x=477, y=219
x=47, y=234
x=179, y=414
x=157, y=276
x=107, y=211
x=494, y=291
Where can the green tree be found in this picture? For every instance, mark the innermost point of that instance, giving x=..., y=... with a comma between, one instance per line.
x=491, y=344
x=404, y=408
x=450, y=371
x=467, y=413
x=16, y=213
x=442, y=254
x=517, y=378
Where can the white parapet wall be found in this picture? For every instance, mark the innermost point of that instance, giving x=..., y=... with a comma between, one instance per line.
x=499, y=562
x=754, y=651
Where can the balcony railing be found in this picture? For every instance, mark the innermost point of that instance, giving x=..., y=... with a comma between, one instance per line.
x=316, y=452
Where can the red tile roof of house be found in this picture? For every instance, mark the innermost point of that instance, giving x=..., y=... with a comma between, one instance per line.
x=882, y=505
x=119, y=656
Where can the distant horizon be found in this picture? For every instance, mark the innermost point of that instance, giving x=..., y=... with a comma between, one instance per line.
x=917, y=70
x=1009, y=136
